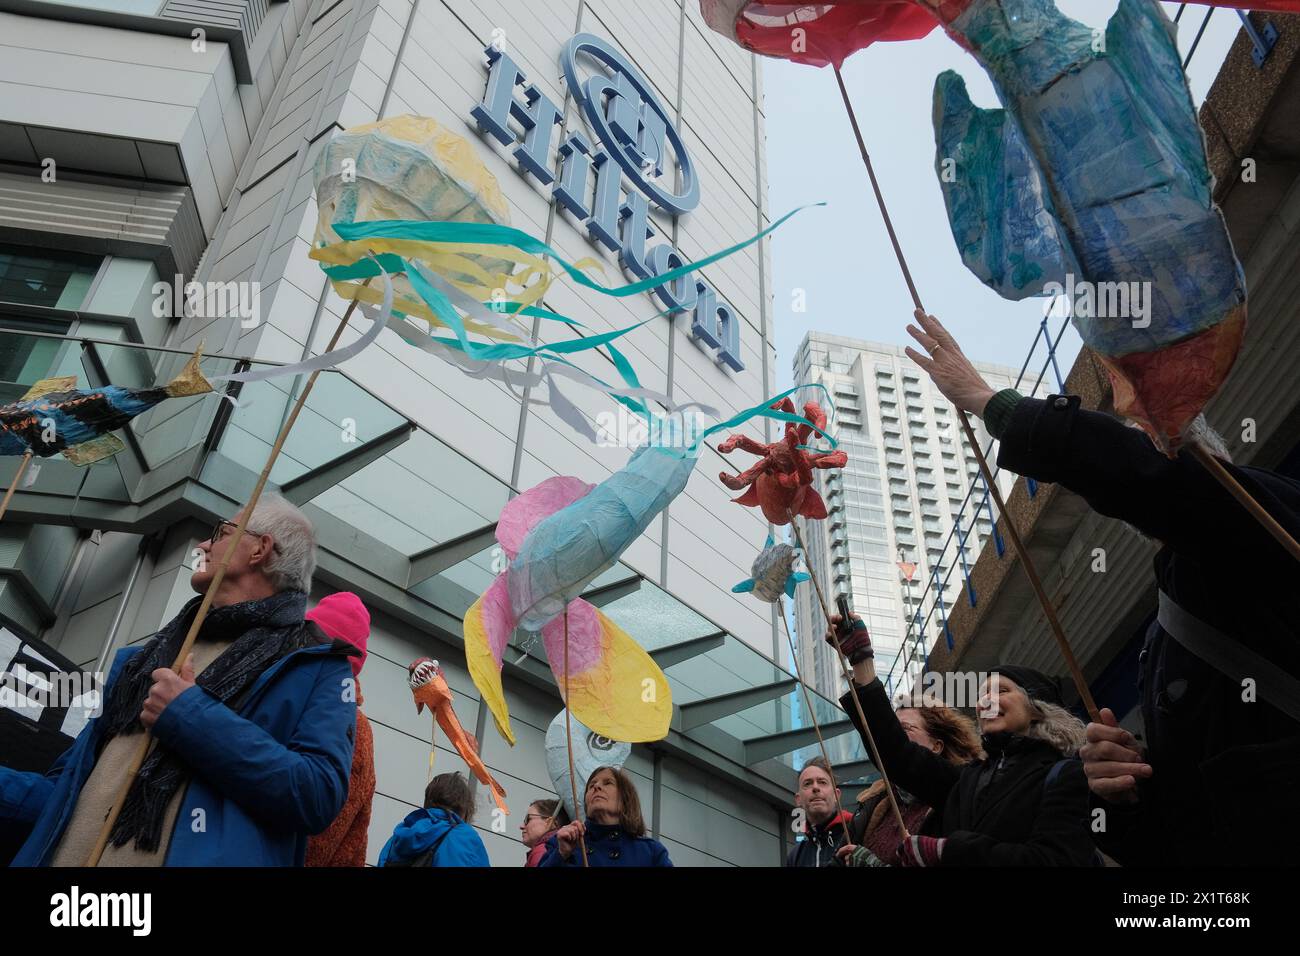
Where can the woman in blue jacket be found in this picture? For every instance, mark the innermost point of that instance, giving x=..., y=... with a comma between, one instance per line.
x=440, y=834
x=614, y=831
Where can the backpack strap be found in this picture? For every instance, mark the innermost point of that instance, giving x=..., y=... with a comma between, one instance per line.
x=1054, y=774
x=862, y=819
x=1229, y=656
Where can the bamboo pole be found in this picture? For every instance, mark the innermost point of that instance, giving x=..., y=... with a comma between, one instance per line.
x=568, y=735
x=146, y=741
x=1081, y=685
x=1031, y=572
x=1247, y=500
x=433, y=748
x=13, y=485
x=853, y=693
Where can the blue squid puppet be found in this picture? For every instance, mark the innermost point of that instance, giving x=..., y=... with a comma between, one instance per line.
x=1093, y=178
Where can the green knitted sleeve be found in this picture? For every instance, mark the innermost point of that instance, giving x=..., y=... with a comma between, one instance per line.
x=997, y=413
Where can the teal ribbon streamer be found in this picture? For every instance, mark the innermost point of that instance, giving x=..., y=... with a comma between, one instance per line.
x=764, y=410
x=493, y=234
x=481, y=233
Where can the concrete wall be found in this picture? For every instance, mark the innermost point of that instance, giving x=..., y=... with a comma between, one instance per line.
x=134, y=85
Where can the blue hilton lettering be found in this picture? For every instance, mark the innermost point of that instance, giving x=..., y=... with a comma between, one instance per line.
x=634, y=138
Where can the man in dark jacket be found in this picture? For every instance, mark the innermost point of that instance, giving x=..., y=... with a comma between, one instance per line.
x=255, y=732
x=1217, y=681
x=818, y=816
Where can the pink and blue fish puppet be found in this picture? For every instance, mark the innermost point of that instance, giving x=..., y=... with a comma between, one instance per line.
x=559, y=536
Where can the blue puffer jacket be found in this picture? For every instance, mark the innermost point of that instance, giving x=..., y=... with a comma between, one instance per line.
x=267, y=777
x=455, y=842
x=610, y=846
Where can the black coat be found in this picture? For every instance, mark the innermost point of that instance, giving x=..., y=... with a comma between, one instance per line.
x=820, y=843
x=1221, y=766
x=1001, y=811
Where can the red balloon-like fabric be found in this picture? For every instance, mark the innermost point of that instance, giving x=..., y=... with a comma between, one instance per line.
x=823, y=34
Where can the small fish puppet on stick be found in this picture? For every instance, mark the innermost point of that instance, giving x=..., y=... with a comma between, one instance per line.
x=55, y=416
x=780, y=483
x=773, y=573
x=591, y=751
x=429, y=687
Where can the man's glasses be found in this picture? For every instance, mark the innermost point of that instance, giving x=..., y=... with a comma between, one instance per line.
x=219, y=532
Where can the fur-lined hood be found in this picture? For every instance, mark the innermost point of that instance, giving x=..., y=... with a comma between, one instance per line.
x=1058, y=727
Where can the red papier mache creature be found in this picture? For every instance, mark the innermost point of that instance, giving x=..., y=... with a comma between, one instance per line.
x=780, y=483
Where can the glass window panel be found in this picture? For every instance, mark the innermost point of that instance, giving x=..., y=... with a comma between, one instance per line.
x=49, y=278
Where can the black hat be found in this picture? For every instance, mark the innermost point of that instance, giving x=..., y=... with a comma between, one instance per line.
x=1034, y=683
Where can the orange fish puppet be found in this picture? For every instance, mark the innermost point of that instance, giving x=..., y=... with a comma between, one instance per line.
x=428, y=686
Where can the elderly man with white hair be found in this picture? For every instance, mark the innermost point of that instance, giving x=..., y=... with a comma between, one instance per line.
x=254, y=734
x=1217, y=679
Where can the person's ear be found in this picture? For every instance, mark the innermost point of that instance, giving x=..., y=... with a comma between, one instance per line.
x=262, y=553
x=938, y=747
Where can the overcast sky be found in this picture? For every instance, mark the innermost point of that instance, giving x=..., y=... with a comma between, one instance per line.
x=839, y=255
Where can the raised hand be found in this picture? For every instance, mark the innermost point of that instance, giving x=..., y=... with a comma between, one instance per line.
x=949, y=369
x=856, y=645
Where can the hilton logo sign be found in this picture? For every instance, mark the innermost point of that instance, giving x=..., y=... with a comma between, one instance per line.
x=633, y=131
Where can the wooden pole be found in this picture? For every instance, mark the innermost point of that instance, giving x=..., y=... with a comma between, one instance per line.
x=1031, y=572
x=1081, y=685
x=880, y=196
x=433, y=748
x=853, y=692
x=568, y=735
x=13, y=485
x=1247, y=500
x=146, y=740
